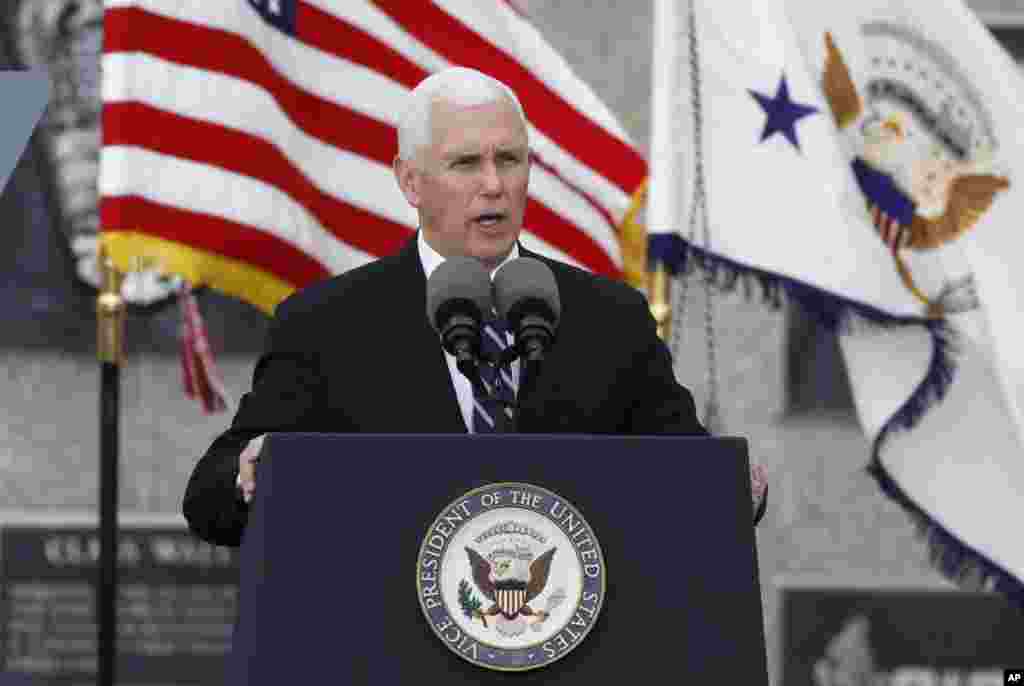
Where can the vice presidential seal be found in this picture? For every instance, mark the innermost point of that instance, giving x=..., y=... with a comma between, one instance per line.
x=510, y=577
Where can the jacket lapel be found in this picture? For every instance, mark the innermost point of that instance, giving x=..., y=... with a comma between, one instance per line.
x=427, y=380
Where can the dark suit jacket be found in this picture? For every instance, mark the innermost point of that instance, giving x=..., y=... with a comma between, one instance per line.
x=356, y=353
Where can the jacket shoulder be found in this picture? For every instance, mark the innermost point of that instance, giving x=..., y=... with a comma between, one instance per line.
x=351, y=287
x=593, y=288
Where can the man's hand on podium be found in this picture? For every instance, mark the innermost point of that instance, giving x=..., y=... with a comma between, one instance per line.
x=247, y=468
x=758, y=488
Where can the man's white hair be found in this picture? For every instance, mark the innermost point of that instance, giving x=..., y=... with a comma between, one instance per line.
x=459, y=86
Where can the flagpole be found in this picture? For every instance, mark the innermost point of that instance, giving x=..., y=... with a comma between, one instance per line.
x=110, y=311
x=665, y=176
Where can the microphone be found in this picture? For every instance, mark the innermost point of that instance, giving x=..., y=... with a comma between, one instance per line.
x=526, y=296
x=458, y=295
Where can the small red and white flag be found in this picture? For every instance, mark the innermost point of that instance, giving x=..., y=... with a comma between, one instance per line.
x=202, y=380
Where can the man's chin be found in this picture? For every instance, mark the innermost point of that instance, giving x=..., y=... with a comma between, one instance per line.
x=493, y=257
x=492, y=249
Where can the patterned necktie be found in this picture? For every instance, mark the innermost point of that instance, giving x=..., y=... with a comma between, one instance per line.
x=492, y=413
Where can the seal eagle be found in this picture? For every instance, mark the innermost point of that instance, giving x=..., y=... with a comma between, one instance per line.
x=918, y=202
x=510, y=594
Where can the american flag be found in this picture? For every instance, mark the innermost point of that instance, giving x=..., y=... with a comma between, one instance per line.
x=247, y=145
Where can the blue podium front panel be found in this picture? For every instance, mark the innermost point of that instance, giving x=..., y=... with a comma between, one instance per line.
x=335, y=581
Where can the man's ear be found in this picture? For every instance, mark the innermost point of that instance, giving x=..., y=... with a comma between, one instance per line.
x=408, y=176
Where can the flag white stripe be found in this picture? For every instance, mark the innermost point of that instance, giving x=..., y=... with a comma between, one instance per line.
x=357, y=88
x=211, y=190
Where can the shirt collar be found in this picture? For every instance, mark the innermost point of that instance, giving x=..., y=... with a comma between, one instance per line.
x=431, y=259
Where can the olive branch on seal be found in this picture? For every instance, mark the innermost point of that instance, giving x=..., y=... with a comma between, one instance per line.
x=469, y=602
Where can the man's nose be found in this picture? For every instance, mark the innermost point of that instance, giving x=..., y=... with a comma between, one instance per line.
x=491, y=180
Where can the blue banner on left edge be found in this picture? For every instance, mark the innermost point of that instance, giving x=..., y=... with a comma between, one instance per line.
x=24, y=95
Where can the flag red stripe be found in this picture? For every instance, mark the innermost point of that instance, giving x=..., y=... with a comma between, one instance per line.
x=459, y=44
x=171, y=134
x=212, y=234
x=226, y=53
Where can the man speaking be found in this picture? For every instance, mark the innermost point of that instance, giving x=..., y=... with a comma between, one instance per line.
x=367, y=351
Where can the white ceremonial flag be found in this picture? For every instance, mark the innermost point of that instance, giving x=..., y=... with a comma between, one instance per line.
x=866, y=158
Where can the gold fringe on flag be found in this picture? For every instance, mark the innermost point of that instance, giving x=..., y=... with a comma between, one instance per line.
x=633, y=241
x=130, y=249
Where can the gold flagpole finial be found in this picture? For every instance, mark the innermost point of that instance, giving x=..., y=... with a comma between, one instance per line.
x=660, y=299
x=110, y=311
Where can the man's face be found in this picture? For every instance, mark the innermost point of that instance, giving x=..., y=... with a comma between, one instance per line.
x=470, y=183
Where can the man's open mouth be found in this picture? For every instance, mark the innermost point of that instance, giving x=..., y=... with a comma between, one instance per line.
x=489, y=218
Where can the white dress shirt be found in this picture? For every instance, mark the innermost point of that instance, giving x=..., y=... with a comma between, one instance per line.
x=431, y=260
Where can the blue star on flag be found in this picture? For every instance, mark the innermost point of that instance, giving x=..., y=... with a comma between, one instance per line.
x=783, y=113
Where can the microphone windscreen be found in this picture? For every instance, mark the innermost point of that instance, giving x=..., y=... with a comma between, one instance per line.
x=522, y=279
x=458, y=278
